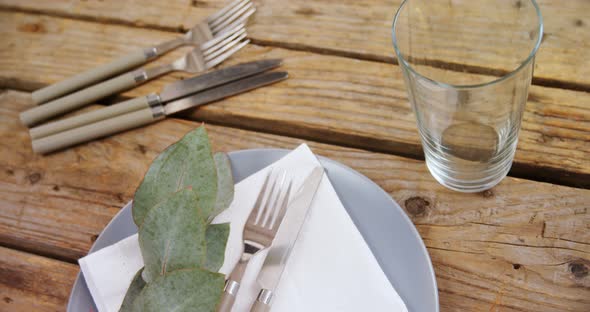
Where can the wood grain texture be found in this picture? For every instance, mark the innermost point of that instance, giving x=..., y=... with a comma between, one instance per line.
x=331, y=99
x=522, y=246
x=352, y=28
x=32, y=283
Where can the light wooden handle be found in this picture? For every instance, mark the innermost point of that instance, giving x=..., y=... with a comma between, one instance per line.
x=260, y=307
x=93, y=131
x=232, y=286
x=77, y=99
x=90, y=117
x=89, y=77
x=228, y=297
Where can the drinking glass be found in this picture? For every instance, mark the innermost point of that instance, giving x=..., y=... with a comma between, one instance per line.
x=467, y=65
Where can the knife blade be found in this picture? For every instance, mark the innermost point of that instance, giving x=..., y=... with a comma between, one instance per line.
x=218, y=77
x=278, y=254
x=223, y=91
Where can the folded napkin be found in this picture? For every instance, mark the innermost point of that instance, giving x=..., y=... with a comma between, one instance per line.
x=331, y=267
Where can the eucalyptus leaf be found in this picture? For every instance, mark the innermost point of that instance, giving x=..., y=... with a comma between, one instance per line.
x=137, y=285
x=186, y=164
x=216, y=237
x=225, y=182
x=172, y=235
x=193, y=290
x=184, y=188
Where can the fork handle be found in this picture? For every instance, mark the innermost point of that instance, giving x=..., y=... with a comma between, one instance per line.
x=232, y=286
x=78, y=99
x=229, y=296
x=89, y=77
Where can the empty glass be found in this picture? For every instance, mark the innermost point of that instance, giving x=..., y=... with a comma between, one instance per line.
x=467, y=65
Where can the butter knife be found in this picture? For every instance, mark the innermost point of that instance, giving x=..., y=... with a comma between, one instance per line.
x=278, y=254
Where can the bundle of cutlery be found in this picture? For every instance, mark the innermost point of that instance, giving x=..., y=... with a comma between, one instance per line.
x=178, y=96
x=274, y=224
x=214, y=40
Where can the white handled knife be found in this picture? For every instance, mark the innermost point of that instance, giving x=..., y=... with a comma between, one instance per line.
x=283, y=243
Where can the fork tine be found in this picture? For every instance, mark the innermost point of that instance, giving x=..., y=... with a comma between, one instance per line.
x=215, y=51
x=223, y=43
x=224, y=56
x=266, y=202
x=218, y=27
x=229, y=14
x=221, y=37
x=280, y=213
x=261, y=196
x=272, y=201
x=229, y=24
x=241, y=20
x=223, y=10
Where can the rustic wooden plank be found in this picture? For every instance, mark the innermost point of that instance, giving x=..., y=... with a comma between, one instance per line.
x=522, y=246
x=332, y=99
x=32, y=283
x=351, y=28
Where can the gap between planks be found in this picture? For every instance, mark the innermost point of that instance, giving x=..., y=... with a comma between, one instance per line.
x=518, y=170
x=38, y=252
x=545, y=82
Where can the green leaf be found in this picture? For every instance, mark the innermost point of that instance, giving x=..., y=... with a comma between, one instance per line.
x=137, y=285
x=172, y=235
x=225, y=182
x=193, y=290
x=216, y=236
x=186, y=164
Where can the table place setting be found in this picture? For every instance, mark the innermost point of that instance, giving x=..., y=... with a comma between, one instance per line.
x=263, y=247
x=330, y=266
x=203, y=213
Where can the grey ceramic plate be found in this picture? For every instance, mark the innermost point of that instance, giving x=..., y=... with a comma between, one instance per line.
x=389, y=232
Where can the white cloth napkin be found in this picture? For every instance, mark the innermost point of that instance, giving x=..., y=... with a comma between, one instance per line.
x=331, y=268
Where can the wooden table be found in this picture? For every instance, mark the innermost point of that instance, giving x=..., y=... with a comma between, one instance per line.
x=522, y=246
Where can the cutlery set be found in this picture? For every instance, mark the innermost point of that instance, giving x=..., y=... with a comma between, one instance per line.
x=178, y=96
x=214, y=40
x=274, y=223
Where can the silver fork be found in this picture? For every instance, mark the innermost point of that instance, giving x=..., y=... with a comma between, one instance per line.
x=226, y=19
x=197, y=60
x=234, y=14
x=259, y=231
x=201, y=58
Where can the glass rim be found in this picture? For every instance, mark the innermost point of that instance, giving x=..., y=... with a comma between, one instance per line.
x=402, y=61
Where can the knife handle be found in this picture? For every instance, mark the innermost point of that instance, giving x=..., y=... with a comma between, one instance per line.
x=260, y=307
x=262, y=303
x=97, y=130
x=92, y=76
x=82, y=97
x=94, y=116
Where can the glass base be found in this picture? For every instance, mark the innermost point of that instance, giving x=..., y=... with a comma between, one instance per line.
x=467, y=177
